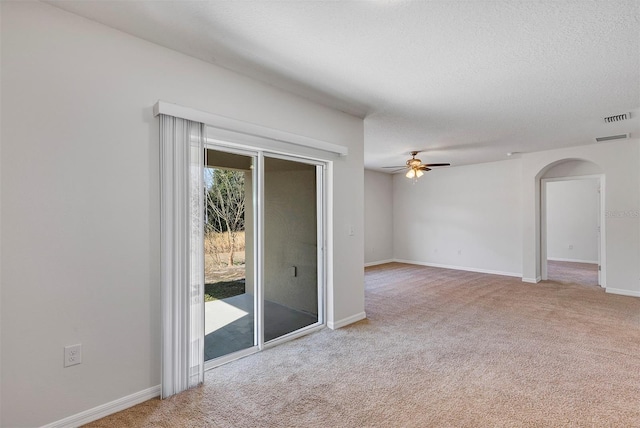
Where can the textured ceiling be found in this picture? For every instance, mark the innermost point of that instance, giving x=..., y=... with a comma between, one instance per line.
x=467, y=81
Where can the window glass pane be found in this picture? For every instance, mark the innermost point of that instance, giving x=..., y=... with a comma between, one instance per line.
x=290, y=247
x=228, y=248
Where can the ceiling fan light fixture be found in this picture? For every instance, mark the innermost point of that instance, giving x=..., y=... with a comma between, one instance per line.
x=414, y=173
x=415, y=168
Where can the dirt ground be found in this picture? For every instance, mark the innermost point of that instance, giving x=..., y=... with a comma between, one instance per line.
x=216, y=269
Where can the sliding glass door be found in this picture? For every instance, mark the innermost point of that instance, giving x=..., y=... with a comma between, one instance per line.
x=264, y=259
x=291, y=250
x=229, y=234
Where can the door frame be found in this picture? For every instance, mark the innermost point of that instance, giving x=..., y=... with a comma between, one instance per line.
x=215, y=362
x=601, y=224
x=258, y=247
x=321, y=239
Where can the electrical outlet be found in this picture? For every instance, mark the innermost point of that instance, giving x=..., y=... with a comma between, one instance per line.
x=72, y=355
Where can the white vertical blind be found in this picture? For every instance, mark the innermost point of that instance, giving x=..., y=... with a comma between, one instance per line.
x=196, y=250
x=182, y=274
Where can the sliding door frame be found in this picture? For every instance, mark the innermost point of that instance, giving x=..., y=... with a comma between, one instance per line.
x=257, y=308
x=258, y=247
x=321, y=239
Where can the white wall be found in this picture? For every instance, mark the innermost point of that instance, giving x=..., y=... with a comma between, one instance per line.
x=475, y=217
x=466, y=217
x=572, y=168
x=572, y=220
x=378, y=219
x=80, y=198
x=618, y=160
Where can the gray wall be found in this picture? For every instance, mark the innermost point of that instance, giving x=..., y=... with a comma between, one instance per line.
x=463, y=217
x=80, y=203
x=618, y=161
x=572, y=220
x=378, y=219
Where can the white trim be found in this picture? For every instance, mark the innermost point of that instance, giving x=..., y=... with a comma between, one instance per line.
x=532, y=280
x=294, y=335
x=622, y=292
x=293, y=157
x=236, y=140
x=258, y=244
x=379, y=262
x=106, y=409
x=558, y=259
x=464, y=268
x=216, y=362
x=329, y=247
x=346, y=321
x=573, y=177
x=247, y=128
x=321, y=207
x=542, y=238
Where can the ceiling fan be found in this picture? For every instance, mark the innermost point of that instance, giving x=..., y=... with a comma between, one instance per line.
x=416, y=168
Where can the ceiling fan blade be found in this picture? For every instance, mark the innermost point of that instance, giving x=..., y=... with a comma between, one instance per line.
x=398, y=170
x=424, y=168
x=399, y=166
x=437, y=164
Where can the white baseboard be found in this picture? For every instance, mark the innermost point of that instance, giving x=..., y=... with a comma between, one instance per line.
x=535, y=280
x=558, y=259
x=379, y=262
x=106, y=409
x=346, y=321
x=622, y=292
x=468, y=269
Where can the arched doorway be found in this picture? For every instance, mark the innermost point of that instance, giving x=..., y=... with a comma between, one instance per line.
x=572, y=210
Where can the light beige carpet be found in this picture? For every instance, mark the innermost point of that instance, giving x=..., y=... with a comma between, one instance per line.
x=440, y=348
x=572, y=272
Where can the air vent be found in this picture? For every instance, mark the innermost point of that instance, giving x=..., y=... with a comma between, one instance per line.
x=617, y=118
x=612, y=137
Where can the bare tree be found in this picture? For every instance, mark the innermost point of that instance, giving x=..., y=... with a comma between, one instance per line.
x=225, y=205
